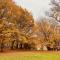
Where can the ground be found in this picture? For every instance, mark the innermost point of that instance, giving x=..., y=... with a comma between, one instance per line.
x=30, y=55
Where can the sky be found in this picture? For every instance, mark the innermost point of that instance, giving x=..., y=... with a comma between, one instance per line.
x=36, y=7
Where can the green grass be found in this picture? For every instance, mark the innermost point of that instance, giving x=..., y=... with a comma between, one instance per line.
x=30, y=56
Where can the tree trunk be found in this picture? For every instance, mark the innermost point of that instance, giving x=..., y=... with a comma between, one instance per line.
x=21, y=46
x=16, y=44
x=12, y=45
x=2, y=46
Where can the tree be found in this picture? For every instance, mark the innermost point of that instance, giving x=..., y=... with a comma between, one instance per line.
x=48, y=29
x=54, y=13
x=55, y=10
x=16, y=23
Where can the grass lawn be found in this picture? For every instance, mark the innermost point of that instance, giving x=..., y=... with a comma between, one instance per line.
x=23, y=55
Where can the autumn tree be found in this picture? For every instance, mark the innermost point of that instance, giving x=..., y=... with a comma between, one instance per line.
x=2, y=37
x=17, y=23
x=48, y=29
x=54, y=14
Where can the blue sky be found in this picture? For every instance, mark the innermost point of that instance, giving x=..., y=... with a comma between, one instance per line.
x=37, y=7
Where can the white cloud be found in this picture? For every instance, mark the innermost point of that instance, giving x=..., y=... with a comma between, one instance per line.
x=38, y=7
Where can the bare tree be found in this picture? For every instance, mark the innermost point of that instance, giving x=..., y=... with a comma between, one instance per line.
x=55, y=10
